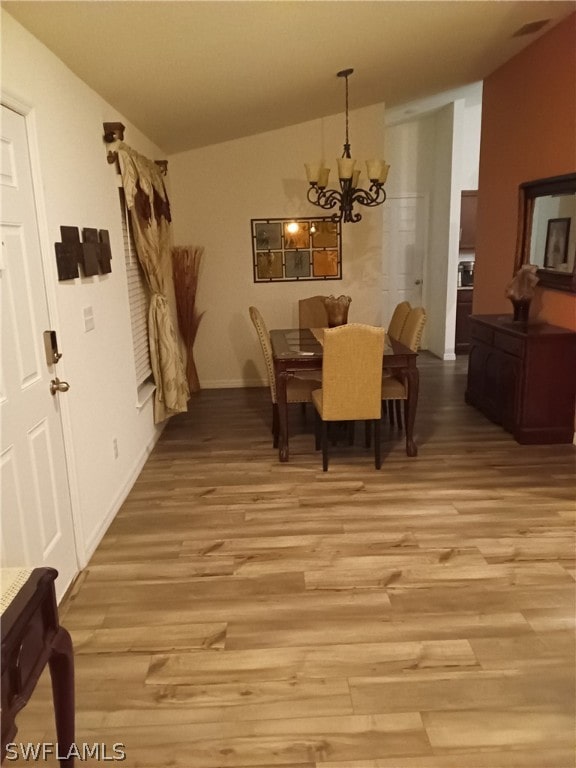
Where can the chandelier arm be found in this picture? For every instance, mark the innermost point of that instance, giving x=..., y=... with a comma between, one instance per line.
x=332, y=198
x=347, y=215
x=375, y=196
x=325, y=199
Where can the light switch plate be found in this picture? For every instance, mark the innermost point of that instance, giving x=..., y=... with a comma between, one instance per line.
x=89, y=323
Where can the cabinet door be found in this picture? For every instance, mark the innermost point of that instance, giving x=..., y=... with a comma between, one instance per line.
x=476, y=374
x=493, y=381
x=468, y=208
x=493, y=405
x=509, y=390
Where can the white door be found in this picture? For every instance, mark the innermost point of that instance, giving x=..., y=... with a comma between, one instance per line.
x=404, y=251
x=35, y=513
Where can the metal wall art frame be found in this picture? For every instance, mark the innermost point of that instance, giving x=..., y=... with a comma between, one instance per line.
x=298, y=249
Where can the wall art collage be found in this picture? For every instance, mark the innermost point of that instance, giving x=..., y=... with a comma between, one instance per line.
x=92, y=255
x=296, y=249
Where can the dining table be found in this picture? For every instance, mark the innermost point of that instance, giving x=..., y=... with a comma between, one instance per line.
x=300, y=349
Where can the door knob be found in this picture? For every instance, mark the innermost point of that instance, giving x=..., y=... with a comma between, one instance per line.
x=417, y=282
x=58, y=386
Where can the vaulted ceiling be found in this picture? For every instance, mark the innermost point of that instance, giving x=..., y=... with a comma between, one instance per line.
x=199, y=72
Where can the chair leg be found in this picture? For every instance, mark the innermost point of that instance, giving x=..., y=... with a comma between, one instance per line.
x=325, y=446
x=390, y=406
x=398, y=404
x=61, y=665
x=275, y=425
x=367, y=433
x=303, y=412
x=317, y=431
x=351, y=432
x=377, y=452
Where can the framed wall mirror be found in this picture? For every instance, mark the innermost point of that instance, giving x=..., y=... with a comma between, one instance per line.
x=547, y=230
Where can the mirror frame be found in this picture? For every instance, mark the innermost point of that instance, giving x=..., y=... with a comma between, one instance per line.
x=529, y=191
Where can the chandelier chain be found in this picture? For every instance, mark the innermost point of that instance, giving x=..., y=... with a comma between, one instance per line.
x=347, y=144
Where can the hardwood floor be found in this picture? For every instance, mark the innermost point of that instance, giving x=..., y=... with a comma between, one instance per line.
x=240, y=612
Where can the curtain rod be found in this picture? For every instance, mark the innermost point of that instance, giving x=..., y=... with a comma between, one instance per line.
x=115, y=132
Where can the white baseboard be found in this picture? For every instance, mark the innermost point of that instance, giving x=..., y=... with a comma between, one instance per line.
x=232, y=383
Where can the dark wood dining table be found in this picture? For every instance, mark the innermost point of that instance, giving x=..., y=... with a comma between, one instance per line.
x=300, y=349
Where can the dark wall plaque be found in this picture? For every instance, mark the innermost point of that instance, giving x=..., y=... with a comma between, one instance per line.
x=66, y=261
x=105, y=256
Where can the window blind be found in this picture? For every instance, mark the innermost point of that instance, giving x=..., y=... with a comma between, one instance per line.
x=138, y=298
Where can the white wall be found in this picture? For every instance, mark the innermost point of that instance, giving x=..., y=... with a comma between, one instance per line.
x=444, y=234
x=78, y=188
x=433, y=145
x=217, y=190
x=469, y=157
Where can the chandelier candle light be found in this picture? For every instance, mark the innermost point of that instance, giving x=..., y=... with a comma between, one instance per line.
x=349, y=192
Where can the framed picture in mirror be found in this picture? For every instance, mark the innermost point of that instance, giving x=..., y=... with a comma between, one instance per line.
x=556, y=249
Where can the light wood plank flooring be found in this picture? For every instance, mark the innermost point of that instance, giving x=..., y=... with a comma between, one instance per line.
x=240, y=613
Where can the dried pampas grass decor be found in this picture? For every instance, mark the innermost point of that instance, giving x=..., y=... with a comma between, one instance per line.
x=186, y=265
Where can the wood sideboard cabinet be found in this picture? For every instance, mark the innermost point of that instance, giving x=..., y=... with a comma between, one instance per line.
x=523, y=376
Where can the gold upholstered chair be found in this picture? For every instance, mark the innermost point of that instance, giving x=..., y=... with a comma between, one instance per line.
x=411, y=334
x=351, y=382
x=312, y=312
x=398, y=319
x=394, y=389
x=395, y=328
x=298, y=389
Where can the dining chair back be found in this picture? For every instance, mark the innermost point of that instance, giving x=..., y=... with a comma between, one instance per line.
x=312, y=312
x=298, y=388
x=394, y=389
x=264, y=339
x=351, y=382
x=411, y=334
x=398, y=319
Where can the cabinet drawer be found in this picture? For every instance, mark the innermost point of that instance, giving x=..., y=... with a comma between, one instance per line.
x=511, y=344
x=482, y=333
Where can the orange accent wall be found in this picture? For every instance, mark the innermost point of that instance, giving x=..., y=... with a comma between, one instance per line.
x=528, y=132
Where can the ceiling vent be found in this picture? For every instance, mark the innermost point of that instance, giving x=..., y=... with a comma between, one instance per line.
x=531, y=28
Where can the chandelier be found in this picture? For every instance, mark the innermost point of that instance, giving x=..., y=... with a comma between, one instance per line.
x=349, y=192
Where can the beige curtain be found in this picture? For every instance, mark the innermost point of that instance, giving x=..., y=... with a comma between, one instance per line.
x=149, y=208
